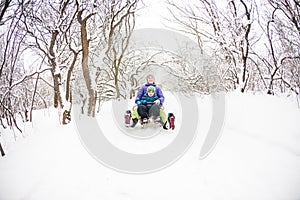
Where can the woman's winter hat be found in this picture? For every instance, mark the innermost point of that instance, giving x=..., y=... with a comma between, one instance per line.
x=150, y=76
x=151, y=88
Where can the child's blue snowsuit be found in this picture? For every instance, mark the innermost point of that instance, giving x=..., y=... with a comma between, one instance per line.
x=146, y=100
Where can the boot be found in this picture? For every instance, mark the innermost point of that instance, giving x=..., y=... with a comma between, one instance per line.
x=144, y=121
x=165, y=126
x=134, y=122
x=127, y=117
x=171, y=119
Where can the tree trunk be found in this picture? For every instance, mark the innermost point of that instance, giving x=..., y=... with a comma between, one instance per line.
x=68, y=85
x=84, y=62
x=57, y=94
x=56, y=77
x=118, y=94
x=33, y=97
x=2, y=150
x=67, y=113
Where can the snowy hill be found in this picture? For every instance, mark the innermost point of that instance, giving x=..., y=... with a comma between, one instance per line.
x=256, y=158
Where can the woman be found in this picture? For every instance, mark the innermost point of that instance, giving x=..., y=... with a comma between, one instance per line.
x=150, y=82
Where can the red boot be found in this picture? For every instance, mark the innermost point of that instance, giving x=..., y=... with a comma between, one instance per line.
x=171, y=119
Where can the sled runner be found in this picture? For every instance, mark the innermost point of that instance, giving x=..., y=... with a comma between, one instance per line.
x=149, y=122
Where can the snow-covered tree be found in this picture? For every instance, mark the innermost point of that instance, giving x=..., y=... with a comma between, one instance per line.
x=280, y=62
x=12, y=72
x=117, y=28
x=223, y=30
x=15, y=80
x=255, y=43
x=50, y=27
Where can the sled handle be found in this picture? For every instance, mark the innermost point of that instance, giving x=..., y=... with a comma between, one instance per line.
x=150, y=102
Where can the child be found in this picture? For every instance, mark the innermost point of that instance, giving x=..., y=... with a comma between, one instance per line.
x=150, y=97
x=149, y=105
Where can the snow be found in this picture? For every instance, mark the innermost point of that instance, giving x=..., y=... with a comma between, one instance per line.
x=256, y=158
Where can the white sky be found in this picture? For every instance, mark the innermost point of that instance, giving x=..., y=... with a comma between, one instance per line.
x=152, y=16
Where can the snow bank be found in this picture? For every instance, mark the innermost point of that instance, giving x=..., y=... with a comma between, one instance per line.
x=257, y=157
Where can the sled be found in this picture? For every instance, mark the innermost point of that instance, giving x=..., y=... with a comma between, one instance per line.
x=150, y=122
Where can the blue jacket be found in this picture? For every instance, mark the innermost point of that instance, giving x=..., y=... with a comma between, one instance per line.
x=143, y=91
x=146, y=99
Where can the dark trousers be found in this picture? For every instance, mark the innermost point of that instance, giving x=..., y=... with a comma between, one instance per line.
x=147, y=112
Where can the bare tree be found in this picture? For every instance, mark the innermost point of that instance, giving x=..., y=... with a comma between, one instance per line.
x=12, y=80
x=280, y=63
x=117, y=29
x=85, y=42
x=11, y=64
x=285, y=58
x=5, y=14
x=51, y=27
x=227, y=27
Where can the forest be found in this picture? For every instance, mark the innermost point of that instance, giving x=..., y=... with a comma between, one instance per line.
x=64, y=52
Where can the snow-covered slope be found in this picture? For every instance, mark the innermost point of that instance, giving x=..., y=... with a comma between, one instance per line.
x=256, y=158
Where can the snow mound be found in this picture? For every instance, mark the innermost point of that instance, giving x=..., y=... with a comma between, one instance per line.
x=257, y=157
